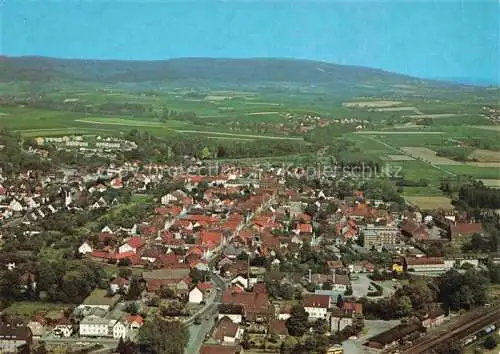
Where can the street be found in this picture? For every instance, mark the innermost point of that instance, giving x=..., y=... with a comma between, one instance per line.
x=207, y=315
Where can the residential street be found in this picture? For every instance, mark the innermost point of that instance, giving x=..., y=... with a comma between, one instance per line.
x=197, y=333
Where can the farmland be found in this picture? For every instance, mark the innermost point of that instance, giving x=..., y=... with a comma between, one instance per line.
x=430, y=203
x=427, y=133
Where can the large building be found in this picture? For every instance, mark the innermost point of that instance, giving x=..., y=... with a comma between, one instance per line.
x=380, y=236
x=15, y=338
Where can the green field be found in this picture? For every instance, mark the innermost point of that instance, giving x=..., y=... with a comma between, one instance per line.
x=30, y=308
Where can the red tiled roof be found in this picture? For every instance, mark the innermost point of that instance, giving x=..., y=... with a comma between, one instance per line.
x=136, y=242
x=120, y=281
x=466, y=229
x=220, y=349
x=353, y=307
x=205, y=285
x=305, y=228
x=320, y=301
x=225, y=328
x=411, y=261
x=100, y=254
x=211, y=236
x=135, y=318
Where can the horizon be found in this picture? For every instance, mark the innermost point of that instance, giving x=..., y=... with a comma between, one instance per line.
x=460, y=43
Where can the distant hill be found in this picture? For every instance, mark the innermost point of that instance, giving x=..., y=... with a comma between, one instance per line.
x=238, y=71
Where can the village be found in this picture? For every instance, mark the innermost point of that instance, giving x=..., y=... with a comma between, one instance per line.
x=238, y=257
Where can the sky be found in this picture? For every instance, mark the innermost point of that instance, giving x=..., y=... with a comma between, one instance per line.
x=426, y=38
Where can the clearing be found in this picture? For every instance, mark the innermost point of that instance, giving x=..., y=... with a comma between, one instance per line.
x=430, y=203
x=428, y=155
x=240, y=135
x=400, y=109
x=371, y=104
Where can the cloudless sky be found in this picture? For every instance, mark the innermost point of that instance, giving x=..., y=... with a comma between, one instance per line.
x=427, y=38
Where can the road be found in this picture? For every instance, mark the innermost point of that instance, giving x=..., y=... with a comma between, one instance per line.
x=207, y=315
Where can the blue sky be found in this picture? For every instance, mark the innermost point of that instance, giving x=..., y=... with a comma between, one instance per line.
x=434, y=39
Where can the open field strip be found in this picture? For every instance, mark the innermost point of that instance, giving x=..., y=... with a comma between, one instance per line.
x=239, y=135
x=485, y=127
x=371, y=104
x=122, y=122
x=429, y=155
x=484, y=164
x=228, y=138
x=260, y=113
x=400, y=158
x=399, y=109
x=383, y=132
x=433, y=116
x=485, y=155
x=494, y=183
x=404, y=152
x=430, y=202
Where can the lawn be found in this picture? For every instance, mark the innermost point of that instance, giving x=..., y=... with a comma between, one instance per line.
x=30, y=308
x=430, y=203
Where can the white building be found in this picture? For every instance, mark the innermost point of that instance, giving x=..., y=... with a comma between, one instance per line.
x=120, y=330
x=317, y=306
x=84, y=248
x=195, y=296
x=95, y=326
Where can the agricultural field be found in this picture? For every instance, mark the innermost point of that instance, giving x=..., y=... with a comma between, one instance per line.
x=482, y=155
x=493, y=183
x=30, y=308
x=428, y=155
x=429, y=202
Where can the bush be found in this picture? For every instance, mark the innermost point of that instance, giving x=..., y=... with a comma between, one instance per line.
x=490, y=343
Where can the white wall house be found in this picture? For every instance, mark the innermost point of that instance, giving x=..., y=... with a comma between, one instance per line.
x=84, y=248
x=63, y=330
x=236, y=318
x=95, y=326
x=120, y=330
x=195, y=296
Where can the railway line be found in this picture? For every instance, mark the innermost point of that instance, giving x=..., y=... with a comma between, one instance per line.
x=467, y=325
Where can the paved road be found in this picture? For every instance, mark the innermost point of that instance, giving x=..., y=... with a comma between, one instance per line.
x=360, y=286
x=197, y=333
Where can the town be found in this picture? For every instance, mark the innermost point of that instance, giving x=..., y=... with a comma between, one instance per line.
x=207, y=256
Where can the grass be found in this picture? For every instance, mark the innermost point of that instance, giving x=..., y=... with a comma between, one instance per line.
x=430, y=203
x=30, y=308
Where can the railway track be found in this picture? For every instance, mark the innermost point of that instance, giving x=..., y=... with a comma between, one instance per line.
x=469, y=325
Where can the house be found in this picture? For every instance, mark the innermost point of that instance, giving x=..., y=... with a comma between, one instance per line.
x=428, y=264
x=411, y=228
x=171, y=277
x=195, y=296
x=234, y=312
x=380, y=236
x=95, y=326
x=392, y=337
x=123, y=327
x=63, y=328
x=340, y=282
x=316, y=306
x=38, y=328
x=361, y=267
x=119, y=284
x=340, y=320
x=227, y=331
x=85, y=248
x=120, y=330
x=255, y=304
x=246, y=283
x=134, y=244
x=13, y=337
x=431, y=319
x=461, y=233
x=220, y=349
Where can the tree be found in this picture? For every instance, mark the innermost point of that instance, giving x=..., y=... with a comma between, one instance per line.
x=321, y=326
x=449, y=348
x=340, y=301
x=166, y=337
x=132, y=308
x=243, y=256
x=134, y=289
x=404, y=306
x=204, y=153
x=490, y=343
x=297, y=323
